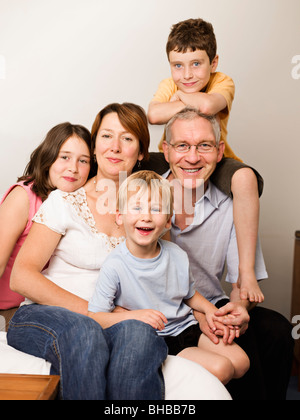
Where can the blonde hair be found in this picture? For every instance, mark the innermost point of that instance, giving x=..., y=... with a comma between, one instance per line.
x=143, y=181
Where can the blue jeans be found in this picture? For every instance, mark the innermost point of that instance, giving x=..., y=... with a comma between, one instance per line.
x=119, y=363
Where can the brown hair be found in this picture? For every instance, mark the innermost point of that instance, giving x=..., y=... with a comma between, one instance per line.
x=42, y=158
x=192, y=34
x=132, y=117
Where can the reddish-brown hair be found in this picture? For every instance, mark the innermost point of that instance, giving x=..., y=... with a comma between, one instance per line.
x=132, y=117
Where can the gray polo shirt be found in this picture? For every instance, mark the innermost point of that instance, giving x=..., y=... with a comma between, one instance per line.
x=210, y=242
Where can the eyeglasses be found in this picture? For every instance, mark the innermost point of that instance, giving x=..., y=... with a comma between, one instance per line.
x=201, y=147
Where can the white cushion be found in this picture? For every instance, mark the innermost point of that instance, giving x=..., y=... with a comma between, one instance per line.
x=14, y=361
x=2, y=323
x=184, y=380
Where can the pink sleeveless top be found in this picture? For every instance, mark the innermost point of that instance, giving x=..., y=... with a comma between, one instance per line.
x=9, y=299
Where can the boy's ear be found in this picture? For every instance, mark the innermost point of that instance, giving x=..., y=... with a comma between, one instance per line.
x=214, y=64
x=119, y=220
x=169, y=223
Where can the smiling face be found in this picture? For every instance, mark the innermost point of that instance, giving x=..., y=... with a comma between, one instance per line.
x=191, y=70
x=192, y=166
x=72, y=166
x=116, y=149
x=144, y=219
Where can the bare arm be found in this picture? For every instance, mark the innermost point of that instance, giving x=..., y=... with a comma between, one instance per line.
x=161, y=112
x=27, y=279
x=149, y=316
x=13, y=220
x=207, y=103
x=202, y=305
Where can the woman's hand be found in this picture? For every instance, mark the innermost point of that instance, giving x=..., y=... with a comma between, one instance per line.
x=156, y=319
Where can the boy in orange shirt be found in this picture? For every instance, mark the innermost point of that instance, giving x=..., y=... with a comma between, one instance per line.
x=192, y=53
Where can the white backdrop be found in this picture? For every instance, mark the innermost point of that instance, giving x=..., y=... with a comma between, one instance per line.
x=63, y=60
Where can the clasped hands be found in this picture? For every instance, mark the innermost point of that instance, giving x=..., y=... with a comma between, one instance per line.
x=230, y=322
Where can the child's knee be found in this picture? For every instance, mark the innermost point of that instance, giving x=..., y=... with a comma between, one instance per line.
x=223, y=369
x=241, y=366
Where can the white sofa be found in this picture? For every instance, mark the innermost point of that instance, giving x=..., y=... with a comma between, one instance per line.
x=184, y=380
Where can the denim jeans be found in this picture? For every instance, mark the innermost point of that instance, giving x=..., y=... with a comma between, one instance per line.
x=122, y=362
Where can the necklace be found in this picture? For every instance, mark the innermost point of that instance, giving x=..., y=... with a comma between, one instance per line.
x=95, y=183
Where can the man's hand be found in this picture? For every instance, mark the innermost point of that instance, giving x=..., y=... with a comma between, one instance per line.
x=227, y=333
x=235, y=314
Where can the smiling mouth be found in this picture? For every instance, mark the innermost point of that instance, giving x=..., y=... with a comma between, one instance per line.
x=114, y=160
x=69, y=179
x=191, y=171
x=144, y=230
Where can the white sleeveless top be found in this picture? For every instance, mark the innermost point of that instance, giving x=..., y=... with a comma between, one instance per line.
x=82, y=250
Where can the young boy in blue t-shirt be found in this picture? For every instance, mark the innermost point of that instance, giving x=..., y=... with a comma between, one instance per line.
x=150, y=279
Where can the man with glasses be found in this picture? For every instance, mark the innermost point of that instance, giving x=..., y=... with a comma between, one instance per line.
x=205, y=230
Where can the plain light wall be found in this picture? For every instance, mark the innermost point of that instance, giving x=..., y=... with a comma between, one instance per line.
x=63, y=60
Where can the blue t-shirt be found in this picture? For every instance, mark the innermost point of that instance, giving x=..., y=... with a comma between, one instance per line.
x=160, y=283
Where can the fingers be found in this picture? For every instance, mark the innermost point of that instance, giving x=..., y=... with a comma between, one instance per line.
x=211, y=324
x=228, y=333
x=156, y=319
x=213, y=336
x=225, y=309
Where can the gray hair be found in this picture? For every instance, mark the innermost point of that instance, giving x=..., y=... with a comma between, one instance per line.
x=190, y=113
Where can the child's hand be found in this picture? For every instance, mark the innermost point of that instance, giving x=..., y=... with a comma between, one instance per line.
x=228, y=332
x=223, y=329
x=156, y=319
x=174, y=98
x=210, y=318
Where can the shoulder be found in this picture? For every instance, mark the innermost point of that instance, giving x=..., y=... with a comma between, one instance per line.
x=219, y=79
x=165, y=91
x=16, y=197
x=173, y=249
x=117, y=254
x=76, y=199
x=113, y=263
x=15, y=207
x=19, y=189
x=73, y=198
x=52, y=212
x=168, y=82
